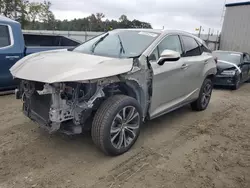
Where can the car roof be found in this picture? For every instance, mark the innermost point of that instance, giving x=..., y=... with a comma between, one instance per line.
x=160, y=31
x=145, y=30
x=164, y=32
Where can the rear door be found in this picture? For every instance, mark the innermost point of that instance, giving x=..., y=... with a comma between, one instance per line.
x=195, y=60
x=10, y=53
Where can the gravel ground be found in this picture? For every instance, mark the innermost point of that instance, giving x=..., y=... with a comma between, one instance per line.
x=180, y=149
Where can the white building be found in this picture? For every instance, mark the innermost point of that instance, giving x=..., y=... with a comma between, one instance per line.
x=235, y=33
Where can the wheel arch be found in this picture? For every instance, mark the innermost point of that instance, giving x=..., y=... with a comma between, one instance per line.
x=133, y=89
x=210, y=71
x=211, y=77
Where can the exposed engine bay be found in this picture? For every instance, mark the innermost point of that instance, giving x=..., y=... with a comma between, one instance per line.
x=66, y=107
x=55, y=105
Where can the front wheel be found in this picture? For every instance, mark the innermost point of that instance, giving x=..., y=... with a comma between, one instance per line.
x=116, y=125
x=204, y=97
x=237, y=83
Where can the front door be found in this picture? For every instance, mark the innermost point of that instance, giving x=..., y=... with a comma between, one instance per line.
x=168, y=79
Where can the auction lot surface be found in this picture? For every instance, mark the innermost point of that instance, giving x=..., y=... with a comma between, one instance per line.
x=181, y=149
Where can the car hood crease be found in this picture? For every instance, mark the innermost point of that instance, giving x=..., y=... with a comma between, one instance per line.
x=66, y=66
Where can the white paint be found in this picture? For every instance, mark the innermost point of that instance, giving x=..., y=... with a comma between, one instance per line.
x=236, y=55
x=147, y=34
x=64, y=66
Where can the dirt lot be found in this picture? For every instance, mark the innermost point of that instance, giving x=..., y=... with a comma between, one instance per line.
x=181, y=149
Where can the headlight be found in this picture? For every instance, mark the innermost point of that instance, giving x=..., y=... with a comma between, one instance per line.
x=229, y=72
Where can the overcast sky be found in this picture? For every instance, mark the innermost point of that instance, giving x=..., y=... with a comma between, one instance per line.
x=172, y=14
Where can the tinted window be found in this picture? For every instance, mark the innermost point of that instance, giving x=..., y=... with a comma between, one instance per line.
x=47, y=40
x=191, y=46
x=4, y=36
x=133, y=42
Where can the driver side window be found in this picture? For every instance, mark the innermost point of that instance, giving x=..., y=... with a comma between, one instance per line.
x=171, y=42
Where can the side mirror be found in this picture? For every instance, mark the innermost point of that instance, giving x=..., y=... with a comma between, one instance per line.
x=168, y=55
x=246, y=62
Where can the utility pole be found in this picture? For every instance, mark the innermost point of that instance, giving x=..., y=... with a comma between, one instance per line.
x=217, y=46
x=199, y=35
x=208, y=34
x=15, y=7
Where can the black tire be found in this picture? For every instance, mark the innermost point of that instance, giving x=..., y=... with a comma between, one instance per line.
x=237, y=83
x=248, y=81
x=198, y=105
x=104, y=119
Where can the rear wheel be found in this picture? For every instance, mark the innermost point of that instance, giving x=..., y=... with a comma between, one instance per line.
x=204, y=97
x=116, y=125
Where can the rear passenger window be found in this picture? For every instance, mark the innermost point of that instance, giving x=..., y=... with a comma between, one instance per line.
x=4, y=36
x=191, y=46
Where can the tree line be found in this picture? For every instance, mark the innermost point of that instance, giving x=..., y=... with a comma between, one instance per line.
x=38, y=16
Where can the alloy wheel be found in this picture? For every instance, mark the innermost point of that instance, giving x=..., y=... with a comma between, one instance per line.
x=125, y=127
x=206, y=94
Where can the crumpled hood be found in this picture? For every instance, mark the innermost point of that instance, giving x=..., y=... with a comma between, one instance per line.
x=65, y=66
x=224, y=65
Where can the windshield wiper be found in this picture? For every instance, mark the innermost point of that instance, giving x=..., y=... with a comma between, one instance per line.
x=97, y=42
x=122, y=50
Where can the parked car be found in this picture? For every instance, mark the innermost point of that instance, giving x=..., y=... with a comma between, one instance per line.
x=116, y=81
x=233, y=68
x=14, y=46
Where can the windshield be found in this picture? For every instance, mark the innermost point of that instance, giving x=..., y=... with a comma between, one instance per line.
x=118, y=43
x=228, y=56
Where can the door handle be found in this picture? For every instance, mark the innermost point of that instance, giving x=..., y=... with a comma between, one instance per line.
x=12, y=57
x=184, y=66
x=206, y=62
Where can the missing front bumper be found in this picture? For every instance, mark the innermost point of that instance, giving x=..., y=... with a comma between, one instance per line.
x=67, y=128
x=59, y=107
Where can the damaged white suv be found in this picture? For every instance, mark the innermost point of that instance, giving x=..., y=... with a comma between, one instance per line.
x=114, y=82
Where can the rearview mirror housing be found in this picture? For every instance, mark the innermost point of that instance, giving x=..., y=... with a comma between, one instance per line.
x=168, y=55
